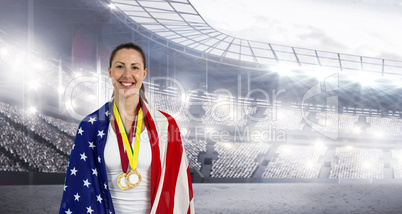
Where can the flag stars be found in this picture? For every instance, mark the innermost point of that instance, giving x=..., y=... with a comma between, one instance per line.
x=105, y=185
x=107, y=113
x=65, y=187
x=80, y=131
x=86, y=183
x=89, y=210
x=68, y=211
x=100, y=133
x=99, y=159
x=95, y=172
x=74, y=171
x=83, y=157
x=91, y=145
x=92, y=120
x=77, y=197
x=99, y=198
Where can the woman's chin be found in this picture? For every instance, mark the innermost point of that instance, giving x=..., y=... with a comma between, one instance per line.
x=129, y=93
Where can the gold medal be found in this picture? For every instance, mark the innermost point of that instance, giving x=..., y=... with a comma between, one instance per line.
x=123, y=175
x=135, y=177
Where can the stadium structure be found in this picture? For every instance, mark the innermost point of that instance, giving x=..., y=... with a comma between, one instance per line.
x=249, y=111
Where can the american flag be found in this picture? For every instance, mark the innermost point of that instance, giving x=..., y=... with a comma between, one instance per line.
x=86, y=186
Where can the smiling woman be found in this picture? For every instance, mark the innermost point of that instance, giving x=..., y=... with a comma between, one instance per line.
x=128, y=68
x=135, y=168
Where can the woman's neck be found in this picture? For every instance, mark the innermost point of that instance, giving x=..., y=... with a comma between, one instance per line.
x=127, y=106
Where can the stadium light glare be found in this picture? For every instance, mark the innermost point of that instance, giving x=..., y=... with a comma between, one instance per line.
x=284, y=69
x=286, y=150
x=91, y=97
x=378, y=134
x=349, y=147
x=323, y=122
x=38, y=65
x=32, y=110
x=16, y=60
x=357, y=130
x=321, y=73
x=279, y=114
x=4, y=52
x=184, y=100
x=34, y=85
x=77, y=74
x=309, y=165
x=228, y=145
x=319, y=145
x=112, y=6
x=366, y=165
x=364, y=78
x=60, y=90
x=74, y=104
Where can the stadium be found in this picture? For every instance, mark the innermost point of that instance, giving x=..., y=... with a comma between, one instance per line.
x=267, y=128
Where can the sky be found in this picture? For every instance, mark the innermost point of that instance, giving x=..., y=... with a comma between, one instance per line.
x=371, y=28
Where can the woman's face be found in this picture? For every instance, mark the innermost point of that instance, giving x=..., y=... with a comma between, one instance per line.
x=127, y=72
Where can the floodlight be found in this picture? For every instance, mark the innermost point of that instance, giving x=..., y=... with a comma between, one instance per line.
x=378, y=134
x=309, y=165
x=367, y=165
x=284, y=69
x=32, y=110
x=91, y=97
x=4, y=52
x=349, y=147
x=34, y=85
x=228, y=145
x=357, y=130
x=77, y=74
x=364, y=78
x=112, y=6
x=38, y=65
x=319, y=145
x=60, y=90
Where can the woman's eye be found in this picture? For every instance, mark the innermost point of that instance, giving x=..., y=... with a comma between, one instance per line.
x=135, y=68
x=119, y=66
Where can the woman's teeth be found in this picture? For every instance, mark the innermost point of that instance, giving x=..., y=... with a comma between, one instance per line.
x=126, y=84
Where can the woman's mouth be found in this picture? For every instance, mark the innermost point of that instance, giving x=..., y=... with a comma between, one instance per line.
x=126, y=84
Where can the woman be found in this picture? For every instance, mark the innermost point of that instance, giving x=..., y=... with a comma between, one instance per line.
x=127, y=157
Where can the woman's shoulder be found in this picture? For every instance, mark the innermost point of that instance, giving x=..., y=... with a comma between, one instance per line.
x=101, y=115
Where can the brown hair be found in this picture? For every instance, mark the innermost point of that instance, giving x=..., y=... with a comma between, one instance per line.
x=130, y=45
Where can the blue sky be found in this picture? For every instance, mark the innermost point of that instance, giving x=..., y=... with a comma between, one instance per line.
x=362, y=27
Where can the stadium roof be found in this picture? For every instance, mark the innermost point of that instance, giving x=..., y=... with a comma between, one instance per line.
x=181, y=27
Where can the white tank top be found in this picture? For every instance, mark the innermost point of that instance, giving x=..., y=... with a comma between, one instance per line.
x=133, y=200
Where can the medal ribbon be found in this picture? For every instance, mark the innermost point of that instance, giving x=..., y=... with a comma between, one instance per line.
x=123, y=139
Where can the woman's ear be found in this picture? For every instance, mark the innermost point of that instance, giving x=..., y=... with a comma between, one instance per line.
x=145, y=73
x=110, y=72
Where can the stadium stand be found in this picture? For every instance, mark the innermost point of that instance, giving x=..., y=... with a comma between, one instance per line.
x=357, y=163
x=295, y=161
x=63, y=126
x=334, y=122
x=281, y=118
x=384, y=126
x=225, y=113
x=193, y=149
x=397, y=155
x=35, y=154
x=237, y=160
